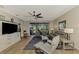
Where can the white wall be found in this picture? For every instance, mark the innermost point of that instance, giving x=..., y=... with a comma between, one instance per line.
x=72, y=21
x=8, y=16
x=50, y=26
x=25, y=26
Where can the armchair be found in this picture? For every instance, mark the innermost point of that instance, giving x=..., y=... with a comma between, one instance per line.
x=46, y=47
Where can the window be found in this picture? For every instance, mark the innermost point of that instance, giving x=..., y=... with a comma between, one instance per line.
x=38, y=26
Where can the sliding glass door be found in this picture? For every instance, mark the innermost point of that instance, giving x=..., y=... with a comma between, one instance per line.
x=38, y=27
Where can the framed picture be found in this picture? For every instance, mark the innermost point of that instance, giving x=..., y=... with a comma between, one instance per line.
x=2, y=17
x=62, y=25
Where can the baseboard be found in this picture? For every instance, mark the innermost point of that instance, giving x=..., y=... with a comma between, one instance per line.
x=76, y=48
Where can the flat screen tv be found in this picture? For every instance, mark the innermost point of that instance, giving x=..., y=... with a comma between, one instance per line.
x=8, y=28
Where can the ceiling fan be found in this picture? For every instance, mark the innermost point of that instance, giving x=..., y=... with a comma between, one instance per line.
x=36, y=15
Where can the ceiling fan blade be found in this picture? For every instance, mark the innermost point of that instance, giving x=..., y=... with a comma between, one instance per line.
x=38, y=14
x=39, y=17
x=30, y=13
x=34, y=13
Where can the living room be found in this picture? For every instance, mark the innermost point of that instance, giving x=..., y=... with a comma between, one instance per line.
x=39, y=29
x=44, y=21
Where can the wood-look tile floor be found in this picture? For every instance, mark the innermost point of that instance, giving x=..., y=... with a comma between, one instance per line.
x=18, y=49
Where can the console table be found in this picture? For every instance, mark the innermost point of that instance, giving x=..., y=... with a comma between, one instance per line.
x=68, y=44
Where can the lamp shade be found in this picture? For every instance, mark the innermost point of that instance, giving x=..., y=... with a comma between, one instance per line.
x=68, y=30
x=51, y=29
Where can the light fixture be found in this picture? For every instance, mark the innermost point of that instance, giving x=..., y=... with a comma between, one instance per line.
x=51, y=30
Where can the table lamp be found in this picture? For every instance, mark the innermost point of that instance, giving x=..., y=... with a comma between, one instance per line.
x=68, y=31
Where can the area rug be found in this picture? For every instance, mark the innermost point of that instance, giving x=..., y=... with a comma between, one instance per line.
x=31, y=44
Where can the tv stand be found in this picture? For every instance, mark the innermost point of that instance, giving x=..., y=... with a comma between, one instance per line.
x=6, y=40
